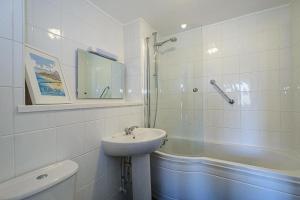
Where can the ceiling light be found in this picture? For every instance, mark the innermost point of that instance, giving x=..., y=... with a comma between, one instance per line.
x=183, y=26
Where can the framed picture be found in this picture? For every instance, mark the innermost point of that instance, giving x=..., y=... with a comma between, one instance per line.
x=44, y=78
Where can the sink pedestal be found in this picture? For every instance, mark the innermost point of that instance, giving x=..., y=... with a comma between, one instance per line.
x=141, y=179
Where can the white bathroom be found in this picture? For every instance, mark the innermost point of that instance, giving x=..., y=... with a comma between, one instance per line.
x=149, y=100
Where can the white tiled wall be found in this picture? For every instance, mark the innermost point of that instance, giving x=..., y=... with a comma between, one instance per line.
x=60, y=27
x=133, y=60
x=180, y=70
x=32, y=140
x=253, y=66
x=134, y=40
x=295, y=42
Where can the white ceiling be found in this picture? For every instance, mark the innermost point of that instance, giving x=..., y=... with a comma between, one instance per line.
x=167, y=15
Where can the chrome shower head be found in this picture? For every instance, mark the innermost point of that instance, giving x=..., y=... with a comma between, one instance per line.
x=172, y=39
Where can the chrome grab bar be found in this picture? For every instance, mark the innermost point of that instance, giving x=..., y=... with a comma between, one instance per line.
x=229, y=100
x=104, y=91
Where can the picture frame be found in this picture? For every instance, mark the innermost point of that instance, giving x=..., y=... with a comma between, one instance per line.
x=44, y=78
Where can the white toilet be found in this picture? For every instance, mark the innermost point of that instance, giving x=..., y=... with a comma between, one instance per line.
x=55, y=182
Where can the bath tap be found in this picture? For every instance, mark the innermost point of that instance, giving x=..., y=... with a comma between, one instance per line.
x=128, y=131
x=164, y=141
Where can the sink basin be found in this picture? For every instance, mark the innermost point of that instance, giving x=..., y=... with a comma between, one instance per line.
x=141, y=141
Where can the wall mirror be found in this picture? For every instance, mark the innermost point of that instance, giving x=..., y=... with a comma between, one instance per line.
x=99, y=77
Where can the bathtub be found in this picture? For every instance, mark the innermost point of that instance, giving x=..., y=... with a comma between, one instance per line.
x=191, y=170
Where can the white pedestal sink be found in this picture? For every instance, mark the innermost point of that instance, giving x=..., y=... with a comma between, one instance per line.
x=138, y=145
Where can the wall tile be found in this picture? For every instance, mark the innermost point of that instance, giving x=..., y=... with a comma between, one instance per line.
x=271, y=139
x=45, y=41
x=214, y=101
x=34, y=150
x=286, y=101
x=6, y=106
x=248, y=62
x=268, y=39
x=96, y=114
x=6, y=10
x=19, y=72
x=93, y=134
x=230, y=65
x=232, y=119
x=230, y=135
x=98, y=190
x=269, y=60
x=70, y=141
x=24, y=122
x=285, y=58
x=231, y=83
x=285, y=80
x=269, y=100
x=247, y=24
x=6, y=62
x=6, y=158
x=250, y=120
x=69, y=51
x=230, y=29
x=249, y=100
x=215, y=118
x=65, y=117
x=19, y=97
x=71, y=27
x=287, y=121
x=18, y=20
x=46, y=14
x=284, y=36
x=91, y=167
x=231, y=47
x=269, y=120
x=251, y=137
x=70, y=76
x=268, y=80
x=112, y=126
x=212, y=66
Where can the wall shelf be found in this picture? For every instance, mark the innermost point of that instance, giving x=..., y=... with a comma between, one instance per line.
x=77, y=105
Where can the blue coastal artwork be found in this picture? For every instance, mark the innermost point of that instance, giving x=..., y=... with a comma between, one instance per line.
x=48, y=78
